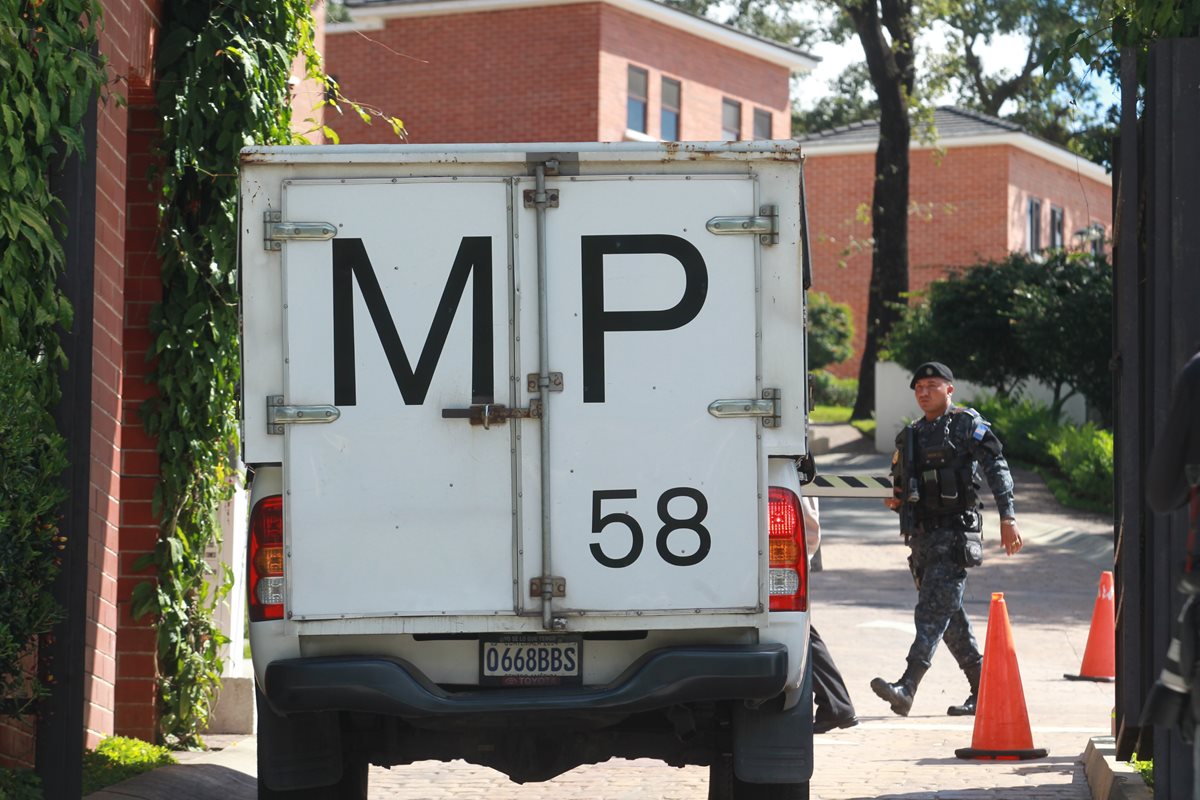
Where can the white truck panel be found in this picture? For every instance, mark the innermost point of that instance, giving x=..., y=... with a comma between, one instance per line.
x=392, y=509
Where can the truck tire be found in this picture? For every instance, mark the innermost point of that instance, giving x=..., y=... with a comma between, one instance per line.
x=306, y=739
x=352, y=786
x=724, y=785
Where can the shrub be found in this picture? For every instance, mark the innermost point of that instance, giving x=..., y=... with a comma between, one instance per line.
x=1026, y=428
x=1084, y=457
x=1077, y=462
x=830, y=331
x=31, y=461
x=830, y=390
x=117, y=758
x=19, y=784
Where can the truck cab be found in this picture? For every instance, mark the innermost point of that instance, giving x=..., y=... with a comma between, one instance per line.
x=526, y=424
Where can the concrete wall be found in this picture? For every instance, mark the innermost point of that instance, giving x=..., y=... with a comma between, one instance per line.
x=896, y=406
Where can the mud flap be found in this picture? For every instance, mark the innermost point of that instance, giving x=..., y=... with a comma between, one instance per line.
x=771, y=745
x=297, y=751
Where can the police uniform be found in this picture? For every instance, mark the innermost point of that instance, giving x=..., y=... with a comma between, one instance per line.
x=948, y=536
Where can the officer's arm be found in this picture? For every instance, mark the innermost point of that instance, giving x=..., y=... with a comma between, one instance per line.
x=990, y=454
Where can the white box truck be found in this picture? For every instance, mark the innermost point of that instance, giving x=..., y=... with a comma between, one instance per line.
x=527, y=425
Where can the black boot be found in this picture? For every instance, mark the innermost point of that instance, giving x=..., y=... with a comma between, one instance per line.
x=900, y=694
x=967, y=709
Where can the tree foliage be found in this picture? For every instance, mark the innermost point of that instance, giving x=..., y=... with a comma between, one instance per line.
x=51, y=79
x=1063, y=106
x=1000, y=323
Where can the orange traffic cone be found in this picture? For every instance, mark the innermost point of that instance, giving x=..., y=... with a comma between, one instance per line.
x=1099, y=657
x=1001, y=720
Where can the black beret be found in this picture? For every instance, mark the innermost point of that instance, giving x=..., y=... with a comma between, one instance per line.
x=931, y=369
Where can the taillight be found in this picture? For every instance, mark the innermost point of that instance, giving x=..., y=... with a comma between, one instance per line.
x=265, y=563
x=788, y=577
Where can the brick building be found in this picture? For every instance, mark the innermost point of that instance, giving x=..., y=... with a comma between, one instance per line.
x=981, y=190
x=104, y=665
x=559, y=70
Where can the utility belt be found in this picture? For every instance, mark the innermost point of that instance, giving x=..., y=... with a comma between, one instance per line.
x=968, y=535
x=953, y=519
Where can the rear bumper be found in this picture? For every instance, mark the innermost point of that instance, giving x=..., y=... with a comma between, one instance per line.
x=391, y=686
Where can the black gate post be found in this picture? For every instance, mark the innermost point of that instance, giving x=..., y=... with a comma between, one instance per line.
x=1164, y=308
x=59, y=760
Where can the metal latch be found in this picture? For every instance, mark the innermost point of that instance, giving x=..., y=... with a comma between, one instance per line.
x=765, y=224
x=276, y=231
x=557, y=586
x=488, y=414
x=769, y=408
x=279, y=414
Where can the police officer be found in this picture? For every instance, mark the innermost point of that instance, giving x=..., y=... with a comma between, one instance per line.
x=947, y=443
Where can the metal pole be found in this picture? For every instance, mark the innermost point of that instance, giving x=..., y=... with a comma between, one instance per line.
x=540, y=202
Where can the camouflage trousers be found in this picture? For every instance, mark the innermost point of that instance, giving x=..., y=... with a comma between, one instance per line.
x=939, y=613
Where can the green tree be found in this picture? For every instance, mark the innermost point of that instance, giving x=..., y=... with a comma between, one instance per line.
x=830, y=331
x=1064, y=324
x=967, y=321
x=1000, y=323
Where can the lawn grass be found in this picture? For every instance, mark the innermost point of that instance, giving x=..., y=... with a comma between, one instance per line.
x=828, y=414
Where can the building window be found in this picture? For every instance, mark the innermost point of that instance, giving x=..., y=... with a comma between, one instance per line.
x=762, y=124
x=1057, y=240
x=1097, y=239
x=635, y=115
x=731, y=120
x=671, y=92
x=1033, y=226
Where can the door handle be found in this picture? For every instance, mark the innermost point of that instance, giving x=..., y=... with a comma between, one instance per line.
x=488, y=414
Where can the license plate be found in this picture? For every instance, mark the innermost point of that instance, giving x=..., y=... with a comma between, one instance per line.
x=530, y=660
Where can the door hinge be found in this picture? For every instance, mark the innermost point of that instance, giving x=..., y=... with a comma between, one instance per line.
x=530, y=198
x=279, y=414
x=556, y=585
x=276, y=231
x=489, y=414
x=554, y=382
x=769, y=408
x=765, y=225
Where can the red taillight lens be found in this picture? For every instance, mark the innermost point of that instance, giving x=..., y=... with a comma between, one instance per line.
x=788, y=576
x=265, y=564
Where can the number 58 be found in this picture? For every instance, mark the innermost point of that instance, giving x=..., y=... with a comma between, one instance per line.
x=670, y=524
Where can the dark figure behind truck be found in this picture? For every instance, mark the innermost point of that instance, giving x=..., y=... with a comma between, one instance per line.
x=1172, y=479
x=934, y=474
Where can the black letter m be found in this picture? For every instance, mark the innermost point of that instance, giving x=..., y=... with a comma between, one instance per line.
x=350, y=259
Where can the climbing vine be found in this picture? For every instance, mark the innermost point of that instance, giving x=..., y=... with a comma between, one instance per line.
x=51, y=77
x=223, y=77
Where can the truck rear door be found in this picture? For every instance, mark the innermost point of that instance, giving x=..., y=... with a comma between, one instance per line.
x=656, y=503
x=393, y=509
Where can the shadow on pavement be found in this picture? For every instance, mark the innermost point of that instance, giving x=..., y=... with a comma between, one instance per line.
x=184, y=781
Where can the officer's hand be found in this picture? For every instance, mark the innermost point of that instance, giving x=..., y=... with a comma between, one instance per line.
x=1010, y=536
x=892, y=502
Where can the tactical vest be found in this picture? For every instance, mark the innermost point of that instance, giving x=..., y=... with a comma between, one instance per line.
x=945, y=469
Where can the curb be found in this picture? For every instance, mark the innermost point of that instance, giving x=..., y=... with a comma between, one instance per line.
x=1108, y=778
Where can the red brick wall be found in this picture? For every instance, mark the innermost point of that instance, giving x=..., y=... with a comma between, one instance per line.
x=526, y=74
x=1084, y=201
x=963, y=208
x=707, y=71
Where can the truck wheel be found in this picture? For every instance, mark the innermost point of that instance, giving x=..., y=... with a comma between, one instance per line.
x=352, y=786
x=724, y=785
